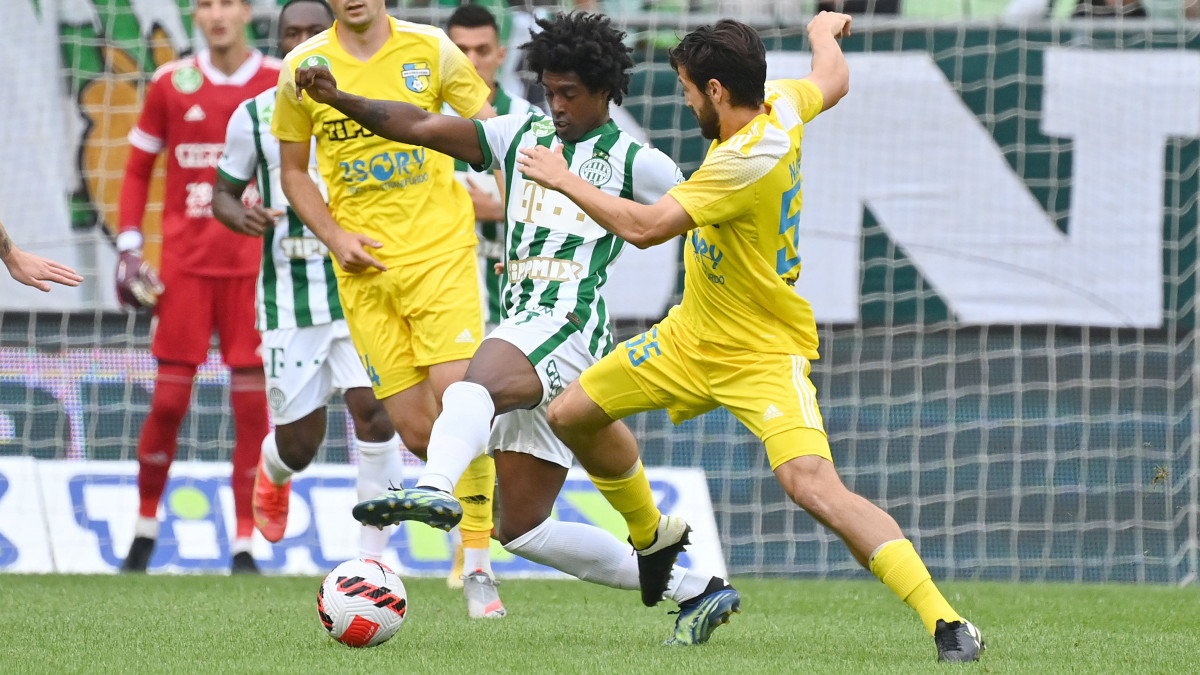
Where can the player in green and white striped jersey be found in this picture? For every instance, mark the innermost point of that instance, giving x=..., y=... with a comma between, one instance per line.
x=307, y=350
x=555, y=323
x=474, y=30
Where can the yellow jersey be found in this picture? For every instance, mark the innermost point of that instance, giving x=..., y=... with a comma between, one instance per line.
x=403, y=196
x=740, y=262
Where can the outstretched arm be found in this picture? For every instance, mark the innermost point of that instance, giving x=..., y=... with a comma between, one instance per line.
x=829, y=70
x=396, y=120
x=642, y=225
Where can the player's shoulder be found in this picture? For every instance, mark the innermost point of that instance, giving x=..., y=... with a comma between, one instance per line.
x=313, y=45
x=169, y=68
x=414, y=28
x=271, y=63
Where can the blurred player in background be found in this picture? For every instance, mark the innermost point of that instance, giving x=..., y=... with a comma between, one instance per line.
x=556, y=321
x=34, y=270
x=475, y=31
x=308, y=354
x=207, y=272
x=401, y=230
x=741, y=337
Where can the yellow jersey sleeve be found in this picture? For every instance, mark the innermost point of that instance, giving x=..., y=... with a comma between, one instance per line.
x=462, y=88
x=803, y=94
x=723, y=187
x=290, y=121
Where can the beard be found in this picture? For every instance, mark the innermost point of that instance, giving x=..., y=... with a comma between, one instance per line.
x=710, y=122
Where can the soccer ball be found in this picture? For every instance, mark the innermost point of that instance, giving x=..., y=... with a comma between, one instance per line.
x=362, y=603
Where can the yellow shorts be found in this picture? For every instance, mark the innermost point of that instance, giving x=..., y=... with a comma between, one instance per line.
x=666, y=368
x=413, y=316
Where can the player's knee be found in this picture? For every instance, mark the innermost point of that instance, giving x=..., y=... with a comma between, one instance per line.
x=559, y=416
x=513, y=526
x=374, y=425
x=811, y=485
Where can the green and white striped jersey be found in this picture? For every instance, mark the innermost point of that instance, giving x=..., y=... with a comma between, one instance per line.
x=557, y=257
x=296, y=285
x=490, y=232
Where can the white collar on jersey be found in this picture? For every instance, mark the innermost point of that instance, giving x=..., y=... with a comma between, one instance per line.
x=240, y=76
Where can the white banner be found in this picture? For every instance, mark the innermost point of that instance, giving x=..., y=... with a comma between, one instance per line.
x=82, y=522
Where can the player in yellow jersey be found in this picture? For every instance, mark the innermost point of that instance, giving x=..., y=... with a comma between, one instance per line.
x=401, y=230
x=741, y=337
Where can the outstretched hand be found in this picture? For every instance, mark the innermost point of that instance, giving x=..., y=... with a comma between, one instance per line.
x=34, y=270
x=544, y=166
x=318, y=82
x=837, y=24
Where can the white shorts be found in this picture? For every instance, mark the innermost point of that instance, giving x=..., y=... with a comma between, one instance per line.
x=305, y=366
x=561, y=354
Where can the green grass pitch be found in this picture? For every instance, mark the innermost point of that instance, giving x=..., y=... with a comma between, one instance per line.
x=209, y=624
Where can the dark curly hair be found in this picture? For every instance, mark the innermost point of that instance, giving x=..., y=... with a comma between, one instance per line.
x=585, y=44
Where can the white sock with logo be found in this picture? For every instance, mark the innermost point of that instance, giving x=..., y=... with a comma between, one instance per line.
x=459, y=435
x=272, y=465
x=380, y=468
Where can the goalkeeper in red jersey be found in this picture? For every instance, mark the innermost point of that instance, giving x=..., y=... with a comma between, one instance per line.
x=207, y=273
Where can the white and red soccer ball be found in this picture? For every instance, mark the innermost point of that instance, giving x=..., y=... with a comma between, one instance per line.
x=362, y=603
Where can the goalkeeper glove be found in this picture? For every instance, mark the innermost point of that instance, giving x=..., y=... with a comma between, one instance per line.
x=138, y=285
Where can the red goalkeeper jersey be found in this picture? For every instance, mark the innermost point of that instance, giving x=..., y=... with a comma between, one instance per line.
x=187, y=108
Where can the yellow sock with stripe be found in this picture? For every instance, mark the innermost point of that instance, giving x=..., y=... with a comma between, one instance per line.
x=897, y=565
x=630, y=495
x=474, y=492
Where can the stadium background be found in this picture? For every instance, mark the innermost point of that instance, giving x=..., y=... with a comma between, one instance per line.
x=1059, y=447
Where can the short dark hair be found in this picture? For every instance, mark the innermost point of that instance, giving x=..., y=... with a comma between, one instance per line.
x=585, y=44
x=729, y=52
x=289, y=3
x=472, y=16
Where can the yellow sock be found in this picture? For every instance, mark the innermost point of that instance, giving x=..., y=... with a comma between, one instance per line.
x=630, y=495
x=476, y=538
x=897, y=564
x=474, y=492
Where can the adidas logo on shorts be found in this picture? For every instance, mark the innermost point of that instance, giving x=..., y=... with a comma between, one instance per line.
x=771, y=413
x=465, y=336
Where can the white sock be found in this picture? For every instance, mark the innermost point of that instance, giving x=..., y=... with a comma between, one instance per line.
x=583, y=551
x=273, y=467
x=240, y=545
x=459, y=435
x=146, y=527
x=477, y=559
x=686, y=584
x=380, y=466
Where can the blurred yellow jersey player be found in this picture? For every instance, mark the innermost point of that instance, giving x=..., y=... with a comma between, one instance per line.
x=741, y=338
x=401, y=229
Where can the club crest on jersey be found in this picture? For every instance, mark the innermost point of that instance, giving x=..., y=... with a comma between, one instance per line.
x=265, y=112
x=542, y=128
x=314, y=61
x=416, y=76
x=596, y=171
x=187, y=80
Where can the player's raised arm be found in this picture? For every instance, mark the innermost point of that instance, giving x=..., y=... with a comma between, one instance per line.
x=396, y=120
x=830, y=72
x=642, y=225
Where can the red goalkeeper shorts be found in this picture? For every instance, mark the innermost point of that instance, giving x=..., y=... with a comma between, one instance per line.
x=192, y=308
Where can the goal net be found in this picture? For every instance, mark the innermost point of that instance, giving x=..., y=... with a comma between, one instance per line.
x=998, y=239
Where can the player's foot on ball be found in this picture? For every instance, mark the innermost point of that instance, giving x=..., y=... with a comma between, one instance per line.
x=432, y=507
x=270, y=505
x=243, y=563
x=483, y=600
x=656, y=560
x=958, y=641
x=139, y=556
x=703, y=614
